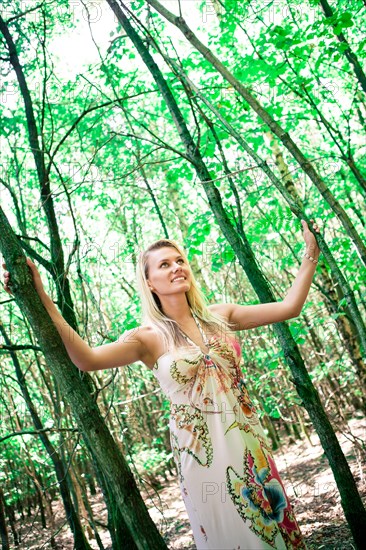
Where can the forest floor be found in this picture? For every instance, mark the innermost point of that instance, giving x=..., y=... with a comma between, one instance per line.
x=309, y=485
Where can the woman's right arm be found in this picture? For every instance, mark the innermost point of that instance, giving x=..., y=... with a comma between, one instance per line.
x=128, y=349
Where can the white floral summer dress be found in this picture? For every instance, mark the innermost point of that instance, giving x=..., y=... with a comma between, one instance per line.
x=231, y=488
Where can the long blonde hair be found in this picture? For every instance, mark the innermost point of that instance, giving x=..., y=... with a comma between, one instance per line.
x=152, y=310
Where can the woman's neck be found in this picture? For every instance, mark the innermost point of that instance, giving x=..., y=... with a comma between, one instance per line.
x=177, y=308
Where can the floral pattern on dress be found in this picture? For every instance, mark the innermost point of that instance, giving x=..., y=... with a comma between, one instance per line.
x=194, y=437
x=197, y=375
x=174, y=443
x=259, y=497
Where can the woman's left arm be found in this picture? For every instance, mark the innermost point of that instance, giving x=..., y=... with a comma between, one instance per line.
x=299, y=290
x=245, y=317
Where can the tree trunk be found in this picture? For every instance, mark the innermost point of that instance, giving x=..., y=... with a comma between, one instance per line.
x=10, y=512
x=350, y=55
x=183, y=226
x=3, y=528
x=347, y=329
x=57, y=267
x=296, y=209
x=90, y=516
x=72, y=517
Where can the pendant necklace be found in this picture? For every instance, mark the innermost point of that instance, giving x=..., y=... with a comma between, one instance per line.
x=203, y=335
x=204, y=338
x=206, y=356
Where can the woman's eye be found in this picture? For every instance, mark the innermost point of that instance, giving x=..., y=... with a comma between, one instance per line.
x=181, y=260
x=164, y=263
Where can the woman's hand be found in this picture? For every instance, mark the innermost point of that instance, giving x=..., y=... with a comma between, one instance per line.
x=312, y=246
x=35, y=276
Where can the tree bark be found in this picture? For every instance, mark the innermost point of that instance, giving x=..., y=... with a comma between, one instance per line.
x=72, y=517
x=344, y=322
x=3, y=528
x=57, y=255
x=174, y=197
x=296, y=209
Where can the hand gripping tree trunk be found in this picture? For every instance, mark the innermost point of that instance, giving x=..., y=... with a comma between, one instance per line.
x=345, y=322
x=351, y=501
x=142, y=530
x=56, y=266
x=295, y=207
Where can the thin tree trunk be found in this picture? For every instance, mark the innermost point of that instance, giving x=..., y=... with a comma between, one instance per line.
x=71, y=515
x=338, y=140
x=32, y=473
x=146, y=180
x=181, y=220
x=90, y=517
x=351, y=56
x=57, y=268
x=347, y=157
x=10, y=512
x=351, y=501
x=51, y=518
x=3, y=528
x=347, y=329
x=81, y=505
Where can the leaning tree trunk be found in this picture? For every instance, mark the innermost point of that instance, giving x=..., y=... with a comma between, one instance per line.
x=348, y=52
x=351, y=501
x=344, y=322
x=295, y=208
x=72, y=517
x=98, y=439
x=56, y=268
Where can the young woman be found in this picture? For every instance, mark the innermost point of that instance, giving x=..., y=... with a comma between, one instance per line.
x=233, y=493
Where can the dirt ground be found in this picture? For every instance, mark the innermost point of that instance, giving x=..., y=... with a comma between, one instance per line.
x=307, y=478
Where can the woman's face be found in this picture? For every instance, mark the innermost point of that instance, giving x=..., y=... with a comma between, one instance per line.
x=168, y=273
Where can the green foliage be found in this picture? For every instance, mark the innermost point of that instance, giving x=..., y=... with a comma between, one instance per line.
x=150, y=461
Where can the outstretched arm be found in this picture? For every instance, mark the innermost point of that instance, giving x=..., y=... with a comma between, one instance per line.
x=246, y=317
x=128, y=349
